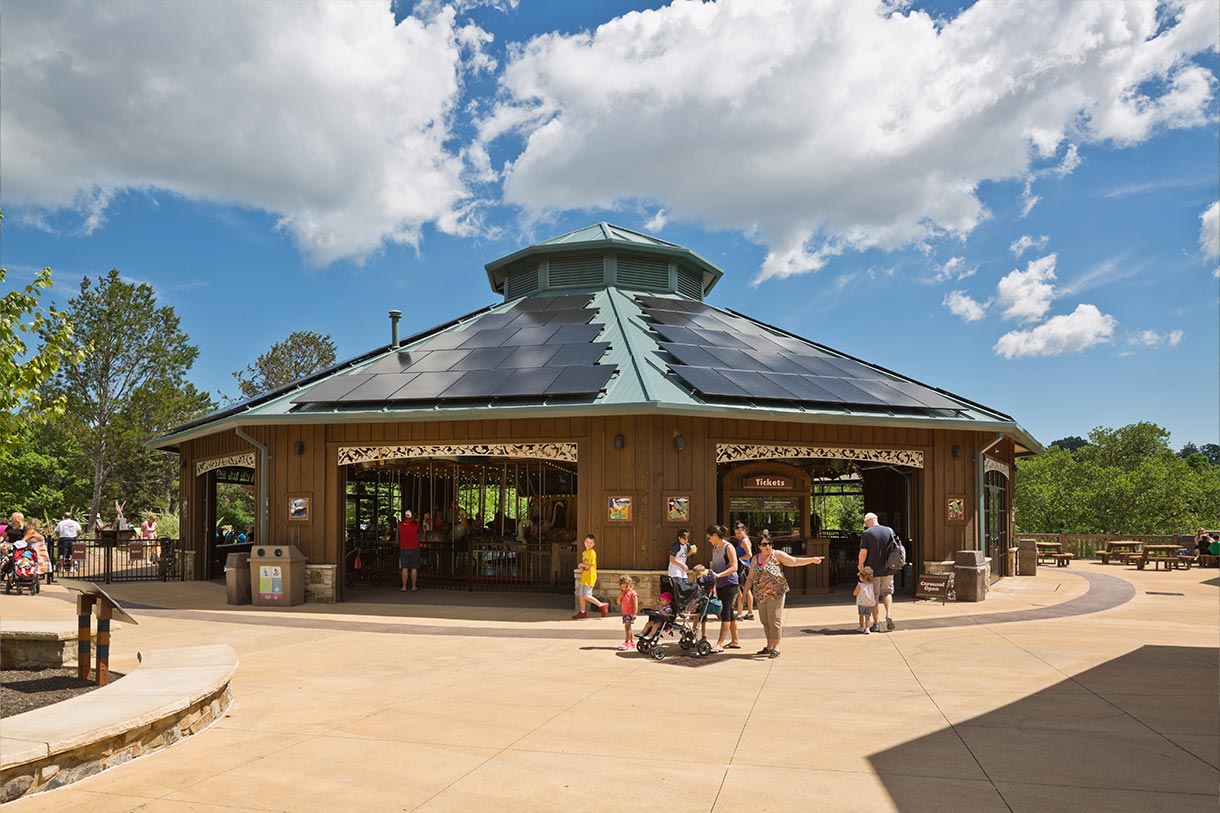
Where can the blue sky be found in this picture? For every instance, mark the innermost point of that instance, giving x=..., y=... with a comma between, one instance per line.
x=862, y=173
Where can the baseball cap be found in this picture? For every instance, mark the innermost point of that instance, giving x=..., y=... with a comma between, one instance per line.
x=407, y=514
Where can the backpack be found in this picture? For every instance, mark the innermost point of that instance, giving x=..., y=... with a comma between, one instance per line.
x=895, y=555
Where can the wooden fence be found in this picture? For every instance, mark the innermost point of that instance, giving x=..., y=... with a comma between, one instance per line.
x=1085, y=546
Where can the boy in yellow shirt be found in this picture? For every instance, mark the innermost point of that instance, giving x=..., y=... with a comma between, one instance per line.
x=588, y=578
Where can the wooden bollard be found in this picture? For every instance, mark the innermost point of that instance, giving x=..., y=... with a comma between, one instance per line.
x=84, y=608
x=103, y=643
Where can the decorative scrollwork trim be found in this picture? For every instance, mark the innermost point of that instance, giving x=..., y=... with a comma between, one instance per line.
x=991, y=464
x=376, y=454
x=734, y=452
x=244, y=460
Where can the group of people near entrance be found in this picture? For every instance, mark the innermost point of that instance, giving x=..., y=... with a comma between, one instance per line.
x=747, y=579
x=25, y=534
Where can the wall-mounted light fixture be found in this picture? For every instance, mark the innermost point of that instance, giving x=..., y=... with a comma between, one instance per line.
x=298, y=447
x=679, y=442
x=957, y=450
x=619, y=441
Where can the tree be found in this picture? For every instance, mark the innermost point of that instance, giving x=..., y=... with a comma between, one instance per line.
x=302, y=353
x=22, y=372
x=1071, y=443
x=131, y=384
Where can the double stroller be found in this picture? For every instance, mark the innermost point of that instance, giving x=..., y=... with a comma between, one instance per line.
x=19, y=569
x=693, y=603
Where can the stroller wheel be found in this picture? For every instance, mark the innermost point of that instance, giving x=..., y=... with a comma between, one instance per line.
x=658, y=653
x=704, y=648
x=641, y=646
x=34, y=590
x=685, y=644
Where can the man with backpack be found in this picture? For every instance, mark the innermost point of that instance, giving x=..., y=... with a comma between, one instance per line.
x=881, y=550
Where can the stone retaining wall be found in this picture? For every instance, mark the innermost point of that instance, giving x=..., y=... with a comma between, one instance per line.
x=72, y=766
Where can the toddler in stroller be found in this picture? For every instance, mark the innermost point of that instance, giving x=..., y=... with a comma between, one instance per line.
x=689, y=604
x=20, y=569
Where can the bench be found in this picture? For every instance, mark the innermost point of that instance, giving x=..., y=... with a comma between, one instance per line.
x=172, y=694
x=1063, y=559
x=1104, y=556
x=1209, y=560
x=1157, y=561
x=1184, y=562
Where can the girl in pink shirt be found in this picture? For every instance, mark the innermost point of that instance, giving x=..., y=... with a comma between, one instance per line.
x=627, y=599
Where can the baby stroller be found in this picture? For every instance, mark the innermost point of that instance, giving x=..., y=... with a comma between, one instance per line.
x=20, y=569
x=693, y=602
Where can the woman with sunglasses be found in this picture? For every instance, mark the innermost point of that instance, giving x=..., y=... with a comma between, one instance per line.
x=769, y=585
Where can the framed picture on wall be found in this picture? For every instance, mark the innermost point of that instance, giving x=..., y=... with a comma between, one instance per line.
x=300, y=507
x=677, y=508
x=956, y=509
x=619, y=508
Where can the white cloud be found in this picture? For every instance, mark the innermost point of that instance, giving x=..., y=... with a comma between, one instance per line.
x=1071, y=160
x=1069, y=333
x=657, y=221
x=820, y=128
x=960, y=304
x=1151, y=338
x=954, y=269
x=1209, y=232
x=1024, y=243
x=1026, y=295
x=327, y=115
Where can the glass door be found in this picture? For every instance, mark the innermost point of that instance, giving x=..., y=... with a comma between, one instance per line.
x=995, y=521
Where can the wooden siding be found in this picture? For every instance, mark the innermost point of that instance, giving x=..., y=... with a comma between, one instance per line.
x=648, y=467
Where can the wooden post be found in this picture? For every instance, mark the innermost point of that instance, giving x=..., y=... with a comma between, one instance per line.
x=103, y=643
x=84, y=607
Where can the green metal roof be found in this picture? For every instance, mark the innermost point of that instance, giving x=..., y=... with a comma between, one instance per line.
x=643, y=384
x=603, y=238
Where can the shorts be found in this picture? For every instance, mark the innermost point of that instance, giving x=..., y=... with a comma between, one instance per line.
x=883, y=586
x=863, y=610
x=585, y=591
x=408, y=558
x=628, y=619
x=728, y=596
x=65, y=547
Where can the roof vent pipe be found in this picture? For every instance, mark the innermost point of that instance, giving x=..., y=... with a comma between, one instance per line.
x=394, y=317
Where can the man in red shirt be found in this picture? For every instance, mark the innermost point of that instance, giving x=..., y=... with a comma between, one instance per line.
x=408, y=549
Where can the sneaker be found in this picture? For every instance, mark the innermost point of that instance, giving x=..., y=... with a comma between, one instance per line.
x=631, y=644
x=605, y=608
x=766, y=650
x=870, y=630
x=773, y=654
x=580, y=615
x=874, y=628
x=748, y=616
x=623, y=647
x=889, y=623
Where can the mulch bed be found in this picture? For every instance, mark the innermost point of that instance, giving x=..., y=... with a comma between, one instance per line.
x=22, y=690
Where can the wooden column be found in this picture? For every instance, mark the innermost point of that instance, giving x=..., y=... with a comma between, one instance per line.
x=84, y=608
x=103, y=643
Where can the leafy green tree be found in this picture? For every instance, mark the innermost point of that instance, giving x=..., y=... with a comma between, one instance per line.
x=1071, y=443
x=302, y=353
x=131, y=384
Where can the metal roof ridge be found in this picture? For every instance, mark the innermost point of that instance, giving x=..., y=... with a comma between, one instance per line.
x=627, y=339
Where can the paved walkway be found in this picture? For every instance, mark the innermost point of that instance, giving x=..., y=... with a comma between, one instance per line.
x=1081, y=689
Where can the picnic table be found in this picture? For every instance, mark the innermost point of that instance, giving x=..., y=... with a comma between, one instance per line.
x=1121, y=550
x=1048, y=550
x=1166, y=555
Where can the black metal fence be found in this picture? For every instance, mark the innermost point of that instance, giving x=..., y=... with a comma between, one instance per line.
x=478, y=564
x=109, y=561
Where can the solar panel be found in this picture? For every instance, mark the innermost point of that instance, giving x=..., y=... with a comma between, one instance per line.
x=530, y=319
x=679, y=318
x=379, y=387
x=709, y=382
x=531, y=336
x=580, y=380
x=816, y=365
x=576, y=334
x=733, y=359
x=570, y=301
x=758, y=385
x=532, y=303
x=527, y=382
x=485, y=358
x=578, y=354
x=488, y=338
x=392, y=363
x=680, y=335
x=927, y=395
x=803, y=389
x=440, y=360
x=476, y=384
x=844, y=389
x=774, y=361
x=693, y=356
x=570, y=317
x=450, y=340
x=331, y=389
x=720, y=338
x=426, y=386
x=526, y=357
x=888, y=395
x=489, y=321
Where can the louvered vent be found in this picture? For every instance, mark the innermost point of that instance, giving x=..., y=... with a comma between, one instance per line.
x=643, y=272
x=571, y=272
x=521, y=281
x=690, y=282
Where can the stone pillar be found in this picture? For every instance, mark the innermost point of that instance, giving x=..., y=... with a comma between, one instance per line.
x=970, y=575
x=320, y=583
x=1027, y=558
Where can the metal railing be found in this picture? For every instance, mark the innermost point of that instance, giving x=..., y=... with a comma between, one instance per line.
x=111, y=561
x=490, y=563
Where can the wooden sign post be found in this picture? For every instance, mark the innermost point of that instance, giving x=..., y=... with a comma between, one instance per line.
x=93, y=598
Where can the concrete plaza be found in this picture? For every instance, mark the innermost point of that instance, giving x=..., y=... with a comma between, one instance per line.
x=1085, y=688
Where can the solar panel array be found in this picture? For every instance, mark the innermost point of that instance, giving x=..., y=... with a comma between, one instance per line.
x=540, y=347
x=724, y=356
